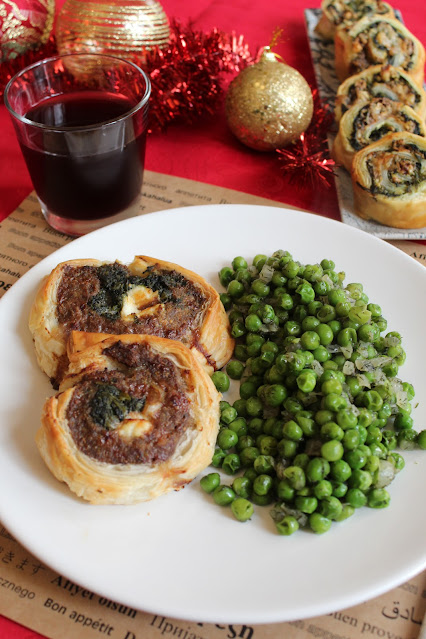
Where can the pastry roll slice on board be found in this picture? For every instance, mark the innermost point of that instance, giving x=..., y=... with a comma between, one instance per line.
x=147, y=296
x=380, y=81
x=389, y=181
x=367, y=122
x=376, y=40
x=335, y=13
x=136, y=417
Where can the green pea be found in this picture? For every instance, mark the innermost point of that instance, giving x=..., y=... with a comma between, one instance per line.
x=397, y=460
x=275, y=394
x=319, y=523
x=306, y=380
x=240, y=352
x=403, y=421
x=340, y=470
x=226, y=274
x=218, y=457
x=334, y=402
x=242, y=487
x=264, y=465
x=351, y=439
x=378, y=498
x=347, y=511
x=259, y=261
x=242, y=509
x=235, y=369
x=306, y=504
x=231, y=464
x=221, y=381
x=331, y=430
x=336, y=295
x=317, y=469
x=262, y=485
x=407, y=439
x=330, y=507
x=356, y=498
x=235, y=289
x=292, y=430
x=310, y=322
x=310, y=340
x=260, y=288
x=287, y=525
x=356, y=458
x=421, y=439
x=325, y=334
x=223, y=495
x=347, y=336
x=306, y=292
x=226, y=301
x=228, y=415
x=248, y=456
x=254, y=407
x=285, y=490
x=210, y=482
x=339, y=489
x=227, y=438
x=332, y=450
x=347, y=418
x=240, y=407
x=331, y=386
x=361, y=479
x=295, y=476
x=287, y=448
x=267, y=445
x=323, y=489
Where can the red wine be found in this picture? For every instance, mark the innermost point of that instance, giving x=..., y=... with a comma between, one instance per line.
x=87, y=174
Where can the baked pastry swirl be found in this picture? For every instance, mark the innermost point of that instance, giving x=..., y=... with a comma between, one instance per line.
x=389, y=181
x=376, y=40
x=147, y=296
x=380, y=81
x=367, y=122
x=336, y=13
x=136, y=417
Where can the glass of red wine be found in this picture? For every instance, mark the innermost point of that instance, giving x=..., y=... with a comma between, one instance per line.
x=81, y=121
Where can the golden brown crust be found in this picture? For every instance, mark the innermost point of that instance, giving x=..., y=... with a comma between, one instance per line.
x=380, y=81
x=366, y=122
x=210, y=337
x=127, y=483
x=335, y=13
x=358, y=48
x=389, y=183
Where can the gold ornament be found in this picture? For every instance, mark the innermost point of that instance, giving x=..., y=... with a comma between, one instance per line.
x=123, y=28
x=269, y=104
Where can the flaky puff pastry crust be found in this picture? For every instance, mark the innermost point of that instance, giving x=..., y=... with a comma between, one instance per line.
x=373, y=40
x=365, y=122
x=389, y=181
x=208, y=336
x=100, y=482
x=335, y=13
x=380, y=81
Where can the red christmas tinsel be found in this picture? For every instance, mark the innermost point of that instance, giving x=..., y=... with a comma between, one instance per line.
x=185, y=76
x=307, y=162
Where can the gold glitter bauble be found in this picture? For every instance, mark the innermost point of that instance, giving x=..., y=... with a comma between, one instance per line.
x=120, y=27
x=269, y=104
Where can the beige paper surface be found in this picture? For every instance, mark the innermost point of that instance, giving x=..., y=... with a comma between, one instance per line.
x=37, y=597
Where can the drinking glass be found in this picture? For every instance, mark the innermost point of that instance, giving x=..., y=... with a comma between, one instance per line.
x=81, y=122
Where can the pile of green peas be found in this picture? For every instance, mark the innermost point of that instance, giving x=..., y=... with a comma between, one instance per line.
x=321, y=411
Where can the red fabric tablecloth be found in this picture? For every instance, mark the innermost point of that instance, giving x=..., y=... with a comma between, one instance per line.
x=207, y=151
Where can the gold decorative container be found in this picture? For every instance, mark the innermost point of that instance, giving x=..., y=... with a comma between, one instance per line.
x=124, y=28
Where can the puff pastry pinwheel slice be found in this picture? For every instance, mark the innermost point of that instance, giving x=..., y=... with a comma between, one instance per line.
x=389, y=181
x=137, y=417
x=375, y=40
x=367, y=122
x=380, y=81
x=147, y=296
x=336, y=13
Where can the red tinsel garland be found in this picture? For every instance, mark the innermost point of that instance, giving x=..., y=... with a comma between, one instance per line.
x=185, y=76
x=307, y=162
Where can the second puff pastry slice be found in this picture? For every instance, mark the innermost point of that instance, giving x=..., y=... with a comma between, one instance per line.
x=136, y=417
x=147, y=296
x=367, y=122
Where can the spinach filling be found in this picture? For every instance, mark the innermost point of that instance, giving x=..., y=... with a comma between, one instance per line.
x=109, y=406
x=115, y=282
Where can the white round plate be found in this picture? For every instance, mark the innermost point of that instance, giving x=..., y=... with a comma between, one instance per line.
x=181, y=555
